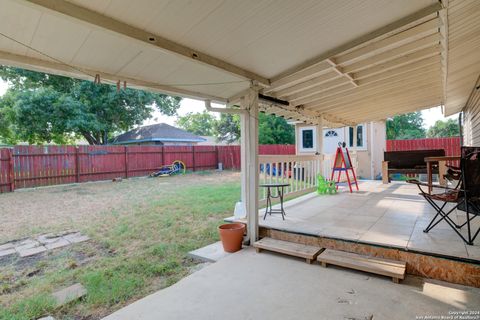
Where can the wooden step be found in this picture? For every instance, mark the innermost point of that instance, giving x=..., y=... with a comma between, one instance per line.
x=309, y=253
x=385, y=267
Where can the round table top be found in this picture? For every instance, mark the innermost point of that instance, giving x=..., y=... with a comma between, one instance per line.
x=268, y=185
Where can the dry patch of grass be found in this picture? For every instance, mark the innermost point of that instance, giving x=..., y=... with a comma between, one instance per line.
x=139, y=242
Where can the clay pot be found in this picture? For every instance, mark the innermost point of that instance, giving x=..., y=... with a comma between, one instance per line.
x=231, y=235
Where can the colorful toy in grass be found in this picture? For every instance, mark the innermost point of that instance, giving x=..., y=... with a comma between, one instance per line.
x=177, y=167
x=325, y=186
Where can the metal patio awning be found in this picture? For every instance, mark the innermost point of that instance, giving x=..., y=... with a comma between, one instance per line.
x=345, y=61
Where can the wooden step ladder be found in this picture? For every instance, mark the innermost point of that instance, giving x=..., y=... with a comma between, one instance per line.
x=390, y=268
x=309, y=253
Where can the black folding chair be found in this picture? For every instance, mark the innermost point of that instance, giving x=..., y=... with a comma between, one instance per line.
x=465, y=196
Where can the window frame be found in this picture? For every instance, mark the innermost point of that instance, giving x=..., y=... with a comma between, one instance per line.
x=314, y=139
x=364, y=137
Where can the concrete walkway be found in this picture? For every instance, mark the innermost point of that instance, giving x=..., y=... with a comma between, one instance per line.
x=250, y=285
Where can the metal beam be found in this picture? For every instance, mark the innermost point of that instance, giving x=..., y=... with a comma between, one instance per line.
x=392, y=27
x=405, y=37
x=103, y=22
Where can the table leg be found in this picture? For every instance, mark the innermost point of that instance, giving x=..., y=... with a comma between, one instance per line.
x=442, y=170
x=280, y=195
x=429, y=176
x=268, y=202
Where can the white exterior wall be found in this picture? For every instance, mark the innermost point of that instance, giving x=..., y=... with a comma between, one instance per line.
x=369, y=158
x=471, y=113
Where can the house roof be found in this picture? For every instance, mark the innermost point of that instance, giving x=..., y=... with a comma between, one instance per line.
x=161, y=132
x=346, y=61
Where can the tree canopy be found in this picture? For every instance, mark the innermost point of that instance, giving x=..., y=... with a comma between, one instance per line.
x=227, y=128
x=406, y=126
x=440, y=129
x=271, y=129
x=39, y=108
x=274, y=130
x=202, y=124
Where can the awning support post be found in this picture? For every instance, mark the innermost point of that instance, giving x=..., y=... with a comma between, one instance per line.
x=250, y=166
x=319, y=145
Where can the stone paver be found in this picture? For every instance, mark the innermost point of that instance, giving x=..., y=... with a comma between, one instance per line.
x=48, y=238
x=31, y=251
x=50, y=241
x=7, y=252
x=7, y=246
x=27, y=244
x=69, y=294
x=76, y=237
x=47, y=318
x=58, y=243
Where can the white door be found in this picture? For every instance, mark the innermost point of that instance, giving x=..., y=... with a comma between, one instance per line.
x=331, y=138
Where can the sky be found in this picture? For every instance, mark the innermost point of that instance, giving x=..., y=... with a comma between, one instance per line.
x=430, y=116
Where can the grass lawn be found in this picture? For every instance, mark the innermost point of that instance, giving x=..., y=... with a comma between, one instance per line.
x=140, y=229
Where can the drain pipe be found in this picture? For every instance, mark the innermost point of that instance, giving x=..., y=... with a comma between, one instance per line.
x=208, y=106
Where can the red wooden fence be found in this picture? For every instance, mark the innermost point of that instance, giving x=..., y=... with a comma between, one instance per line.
x=33, y=166
x=450, y=145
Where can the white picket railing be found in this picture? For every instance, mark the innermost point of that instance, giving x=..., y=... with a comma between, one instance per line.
x=298, y=171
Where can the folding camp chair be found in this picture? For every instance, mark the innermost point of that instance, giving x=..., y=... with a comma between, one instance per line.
x=466, y=196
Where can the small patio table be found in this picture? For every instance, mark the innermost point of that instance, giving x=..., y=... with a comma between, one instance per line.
x=441, y=168
x=280, y=191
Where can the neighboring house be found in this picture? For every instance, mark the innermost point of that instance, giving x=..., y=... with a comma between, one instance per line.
x=369, y=155
x=212, y=141
x=158, y=134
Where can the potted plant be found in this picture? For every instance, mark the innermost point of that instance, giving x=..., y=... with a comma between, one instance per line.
x=231, y=235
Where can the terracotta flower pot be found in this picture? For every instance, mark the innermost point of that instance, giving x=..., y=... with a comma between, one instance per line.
x=231, y=235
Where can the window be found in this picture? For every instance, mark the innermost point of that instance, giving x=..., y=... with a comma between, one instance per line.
x=308, y=139
x=331, y=133
x=361, y=137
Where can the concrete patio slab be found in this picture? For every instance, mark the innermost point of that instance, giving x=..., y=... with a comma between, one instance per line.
x=392, y=215
x=247, y=285
x=211, y=253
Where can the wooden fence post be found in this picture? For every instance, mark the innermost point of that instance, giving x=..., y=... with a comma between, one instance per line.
x=216, y=157
x=163, y=156
x=11, y=170
x=193, y=157
x=126, y=162
x=77, y=165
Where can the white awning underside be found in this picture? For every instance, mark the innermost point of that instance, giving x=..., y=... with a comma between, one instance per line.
x=348, y=61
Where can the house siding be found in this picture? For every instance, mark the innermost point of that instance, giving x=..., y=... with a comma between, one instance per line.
x=471, y=113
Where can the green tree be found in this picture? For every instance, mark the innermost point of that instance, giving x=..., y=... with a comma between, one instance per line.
x=198, y=123
x=406, y=126
x=227, y=128
x=440, y=129
x=271, y=129
x=274, y=130
x=40, y=108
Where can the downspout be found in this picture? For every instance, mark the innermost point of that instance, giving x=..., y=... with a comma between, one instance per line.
x=460, y=126
x=208, y=106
